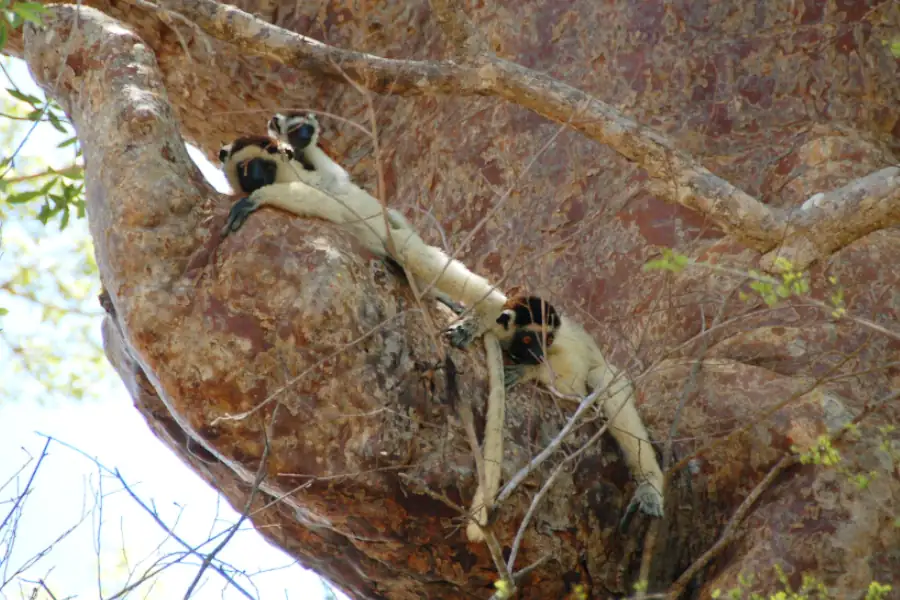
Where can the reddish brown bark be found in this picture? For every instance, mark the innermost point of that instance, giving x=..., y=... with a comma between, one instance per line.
x=781, y=99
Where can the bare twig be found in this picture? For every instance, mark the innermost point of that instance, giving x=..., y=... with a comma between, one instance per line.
x=520, y=534
x=261, y=473
x=71, y=170
x=586, y=403
x=728, y=535
x=27, y=490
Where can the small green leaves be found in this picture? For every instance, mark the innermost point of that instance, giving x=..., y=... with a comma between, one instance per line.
x=823, y=453
x=504, y=589
x=23, y=197
x=877, y=591
x=670, y=261
x=893, y=46
x=4, y=30
x=33, y=12
x=32, y=100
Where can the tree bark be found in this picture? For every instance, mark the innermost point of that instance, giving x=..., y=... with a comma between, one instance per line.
x=290, y=313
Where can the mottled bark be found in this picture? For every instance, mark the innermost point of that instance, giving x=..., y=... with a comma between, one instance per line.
x=780, y=100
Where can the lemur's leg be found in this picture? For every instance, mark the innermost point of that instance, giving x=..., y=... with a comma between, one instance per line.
x=628, y=430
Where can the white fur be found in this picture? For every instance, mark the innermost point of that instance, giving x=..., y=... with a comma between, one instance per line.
x=302, y=193
x=494, y=426
x=575, y=365
x=334, y=176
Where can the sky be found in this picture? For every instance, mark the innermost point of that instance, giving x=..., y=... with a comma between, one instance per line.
x=102, y=425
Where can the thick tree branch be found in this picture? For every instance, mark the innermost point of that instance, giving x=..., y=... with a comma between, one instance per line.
x=279, y=317
x=682, y=180
x=829, y=221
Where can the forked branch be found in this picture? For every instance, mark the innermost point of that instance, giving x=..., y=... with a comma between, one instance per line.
x=848, y=213
x=682, y=180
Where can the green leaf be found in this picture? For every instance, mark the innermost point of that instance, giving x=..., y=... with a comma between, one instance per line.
x=49, y=185
x=54, y=120
x=23, y=97
x=68, y=142
x=65, y=219
x=30, y=11
x=4, y=31
x=23, y=197
x=3, y=311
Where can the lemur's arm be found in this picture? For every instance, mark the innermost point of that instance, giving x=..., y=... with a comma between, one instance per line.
x=264, y=169
x=305, y=200
x=428, y=264
x=628, y=430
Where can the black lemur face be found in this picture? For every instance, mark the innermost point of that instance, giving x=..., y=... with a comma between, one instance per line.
x=256, y=173
x=525, y=347
x=534, y=322
x=300, y=136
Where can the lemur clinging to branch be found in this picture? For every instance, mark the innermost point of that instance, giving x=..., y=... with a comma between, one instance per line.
x=265, y=169
x=302, y=132
x=557, y=352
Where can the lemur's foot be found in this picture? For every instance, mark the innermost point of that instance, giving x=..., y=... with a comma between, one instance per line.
x=239, y=213
x=462, y=333
x=648, y=499
x=444, y=299
x=512, y=374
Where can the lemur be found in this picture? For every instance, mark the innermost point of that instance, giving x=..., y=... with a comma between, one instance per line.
x=264, y=168
x=556, y=351
x=302, y=132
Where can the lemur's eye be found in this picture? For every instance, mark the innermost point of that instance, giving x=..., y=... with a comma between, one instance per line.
x=526, y=339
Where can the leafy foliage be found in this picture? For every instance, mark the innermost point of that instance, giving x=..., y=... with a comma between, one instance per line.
x=810, y=589
x=48, y=284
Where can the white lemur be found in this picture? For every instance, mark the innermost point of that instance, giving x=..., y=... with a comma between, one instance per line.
x=264, y=168
x=558, y=352
x=301, y=131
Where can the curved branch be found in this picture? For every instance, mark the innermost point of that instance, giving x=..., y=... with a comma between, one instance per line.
x=288, y=296
x=829, y=221
x=682, y=179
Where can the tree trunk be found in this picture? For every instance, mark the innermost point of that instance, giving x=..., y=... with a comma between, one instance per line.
x=287, y=342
